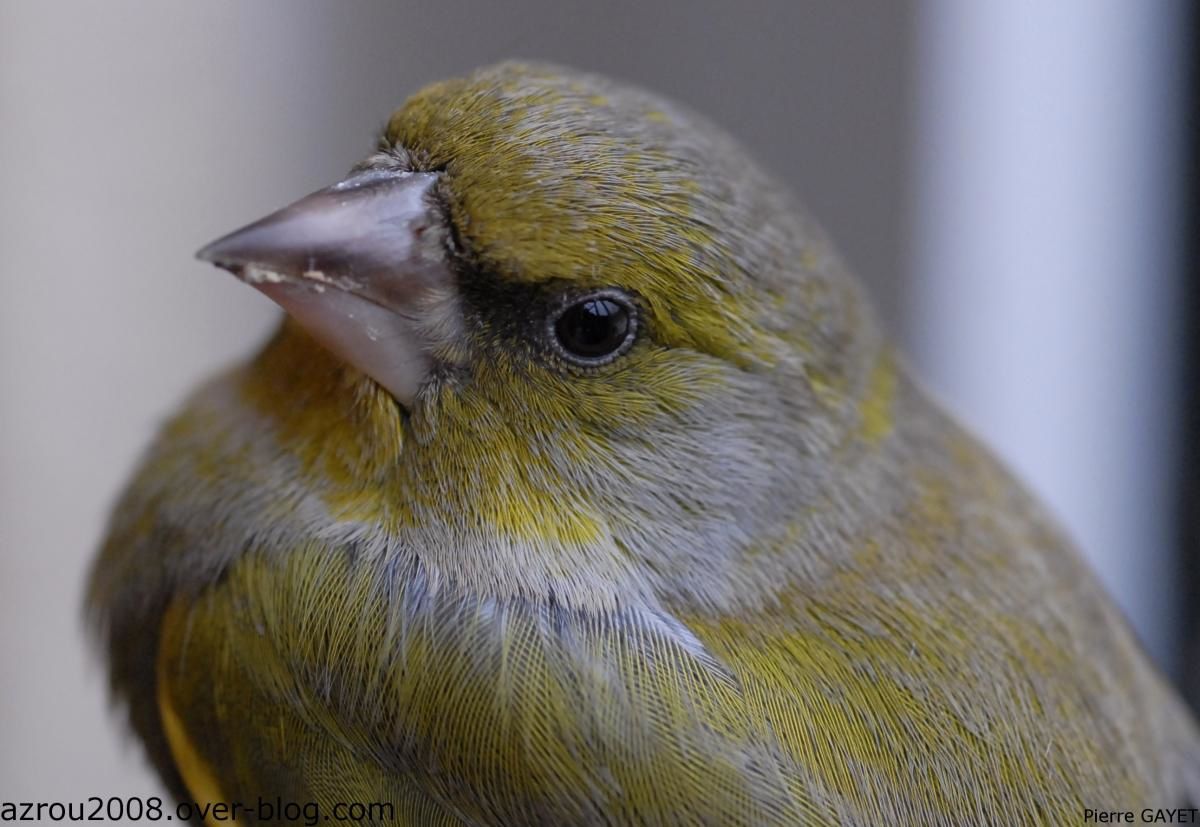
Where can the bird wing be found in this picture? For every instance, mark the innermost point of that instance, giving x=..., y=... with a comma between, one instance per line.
x=314, y=677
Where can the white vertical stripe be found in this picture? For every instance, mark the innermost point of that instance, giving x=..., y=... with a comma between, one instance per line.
x=1046, y=262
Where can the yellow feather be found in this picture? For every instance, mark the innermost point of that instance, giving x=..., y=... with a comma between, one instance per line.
x=201, y=782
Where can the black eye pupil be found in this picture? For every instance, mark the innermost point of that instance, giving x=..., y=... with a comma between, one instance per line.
x=593, y=328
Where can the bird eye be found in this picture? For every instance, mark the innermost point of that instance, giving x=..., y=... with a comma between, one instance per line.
x=596, y=328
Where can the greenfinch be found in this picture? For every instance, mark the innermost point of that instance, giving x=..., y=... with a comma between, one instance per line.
x=581, y=486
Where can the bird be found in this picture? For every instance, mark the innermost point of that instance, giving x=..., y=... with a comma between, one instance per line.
x=581, y=484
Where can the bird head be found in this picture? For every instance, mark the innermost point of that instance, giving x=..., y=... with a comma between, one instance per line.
x=563, y=333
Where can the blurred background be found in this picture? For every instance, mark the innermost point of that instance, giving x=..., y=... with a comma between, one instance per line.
x=1015, y=181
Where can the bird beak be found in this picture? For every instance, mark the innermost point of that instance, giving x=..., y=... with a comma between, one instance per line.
x=361, y=265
